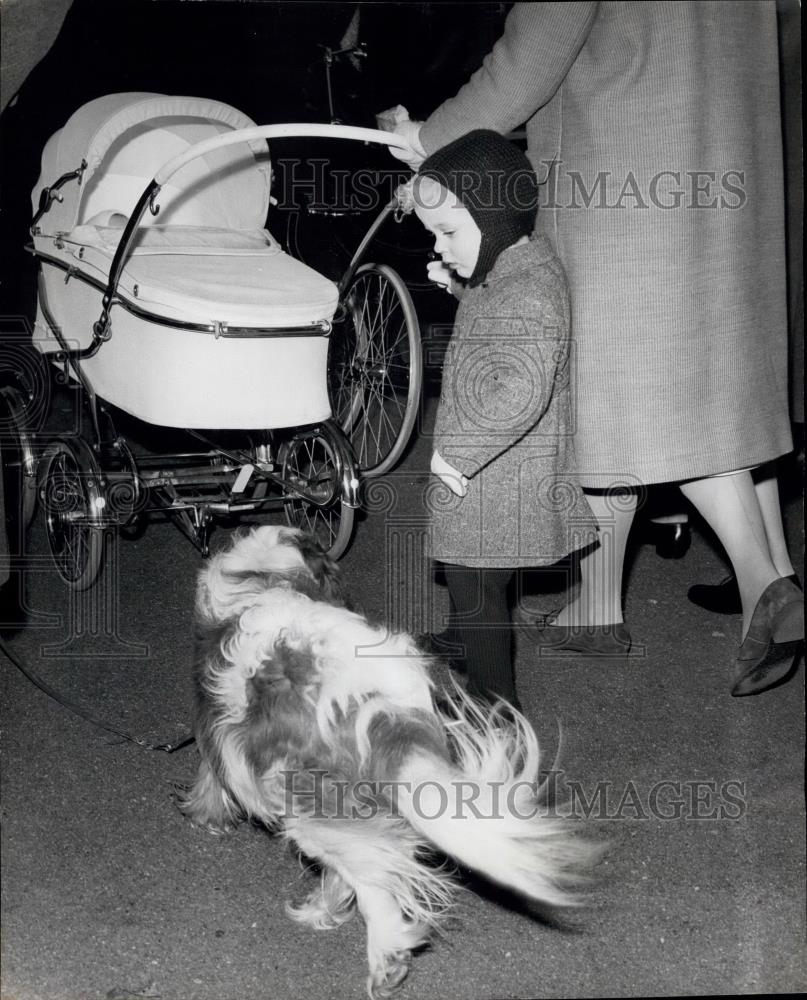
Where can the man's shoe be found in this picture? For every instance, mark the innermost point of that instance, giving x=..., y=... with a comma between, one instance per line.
x=720, y=598
x=672, y=538
x=723, y=598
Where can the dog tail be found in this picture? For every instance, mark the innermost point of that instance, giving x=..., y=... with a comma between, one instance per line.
x=482, y=805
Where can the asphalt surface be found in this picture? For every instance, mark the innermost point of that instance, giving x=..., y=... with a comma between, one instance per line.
x=109, y=893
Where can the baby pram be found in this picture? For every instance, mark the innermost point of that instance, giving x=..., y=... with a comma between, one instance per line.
x=163, y=296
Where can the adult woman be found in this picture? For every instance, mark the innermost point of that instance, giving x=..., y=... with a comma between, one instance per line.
x=654, y=130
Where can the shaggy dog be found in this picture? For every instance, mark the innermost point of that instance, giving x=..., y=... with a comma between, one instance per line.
x=324, y=728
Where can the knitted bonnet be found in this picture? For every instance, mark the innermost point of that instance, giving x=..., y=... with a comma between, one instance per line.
x=495, y=181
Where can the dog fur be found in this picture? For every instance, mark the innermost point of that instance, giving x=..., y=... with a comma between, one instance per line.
x=323, y=727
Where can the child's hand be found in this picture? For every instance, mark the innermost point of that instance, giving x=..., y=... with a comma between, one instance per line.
x=440, y=274
x=454, y=480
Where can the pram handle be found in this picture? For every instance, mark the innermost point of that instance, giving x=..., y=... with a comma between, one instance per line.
x=304, y=130
x=101, y=329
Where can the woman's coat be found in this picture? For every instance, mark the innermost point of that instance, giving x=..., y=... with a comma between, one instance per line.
x=655, y=131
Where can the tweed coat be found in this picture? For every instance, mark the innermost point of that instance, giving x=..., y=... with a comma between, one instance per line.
x=655, y=132
x=505, y=421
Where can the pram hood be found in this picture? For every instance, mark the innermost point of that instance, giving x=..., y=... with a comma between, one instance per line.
x=124, y=138
x=206, y=256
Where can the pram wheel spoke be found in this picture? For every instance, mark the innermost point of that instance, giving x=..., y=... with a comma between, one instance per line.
x=375, y=368
x=309, y=461
x=72, y=495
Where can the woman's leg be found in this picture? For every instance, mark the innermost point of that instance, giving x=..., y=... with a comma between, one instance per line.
x=600, y=599
x=767, y=488
x=481, y=624
x=730, y=505
x=724, y=597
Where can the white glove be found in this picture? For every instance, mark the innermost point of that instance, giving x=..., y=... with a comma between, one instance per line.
x=415, y=154
x=397, y=121
x=453, y=479
x=440, y=274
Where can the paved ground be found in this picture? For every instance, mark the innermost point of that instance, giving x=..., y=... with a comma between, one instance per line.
x=109, y=893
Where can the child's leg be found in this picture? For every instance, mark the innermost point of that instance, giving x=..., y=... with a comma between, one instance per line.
x=445, y=641
x=481, y=624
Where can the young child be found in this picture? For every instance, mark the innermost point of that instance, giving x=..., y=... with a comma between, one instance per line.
x=503, y=440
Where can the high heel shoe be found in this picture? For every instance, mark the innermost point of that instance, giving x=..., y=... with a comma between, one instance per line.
x=720, y=598
x=774, y=642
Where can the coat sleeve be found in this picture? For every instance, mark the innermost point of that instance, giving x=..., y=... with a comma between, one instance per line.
x=519, y=75
x=497, y=384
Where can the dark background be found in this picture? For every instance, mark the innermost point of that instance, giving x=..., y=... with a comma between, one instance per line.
x=264, y=58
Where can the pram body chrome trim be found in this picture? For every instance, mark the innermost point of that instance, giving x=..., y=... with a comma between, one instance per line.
x=320, y=328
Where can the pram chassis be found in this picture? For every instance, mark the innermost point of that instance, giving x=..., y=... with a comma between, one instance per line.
x=311, y=471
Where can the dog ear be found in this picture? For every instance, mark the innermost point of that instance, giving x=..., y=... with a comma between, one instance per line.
x=323, y=569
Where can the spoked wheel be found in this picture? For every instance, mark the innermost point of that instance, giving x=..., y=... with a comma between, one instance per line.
x=72, y=495
x=19, y=463
x=312, y=463
x=375, y=368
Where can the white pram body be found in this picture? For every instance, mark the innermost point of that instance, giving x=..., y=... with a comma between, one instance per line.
x=205, y=259
x=162, y=294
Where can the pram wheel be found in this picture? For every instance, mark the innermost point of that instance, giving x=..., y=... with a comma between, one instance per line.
x=311, y=461
x=72, y=495
x=19, y=463
x=375, y=368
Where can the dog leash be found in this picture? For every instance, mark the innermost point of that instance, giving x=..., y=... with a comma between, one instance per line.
x=71, y=706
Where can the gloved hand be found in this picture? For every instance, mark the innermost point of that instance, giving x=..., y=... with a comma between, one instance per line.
x=453, y=479
x=397, y=120
x=440, y=274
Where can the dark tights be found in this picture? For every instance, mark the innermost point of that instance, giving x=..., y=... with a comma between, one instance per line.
x=481, y=630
